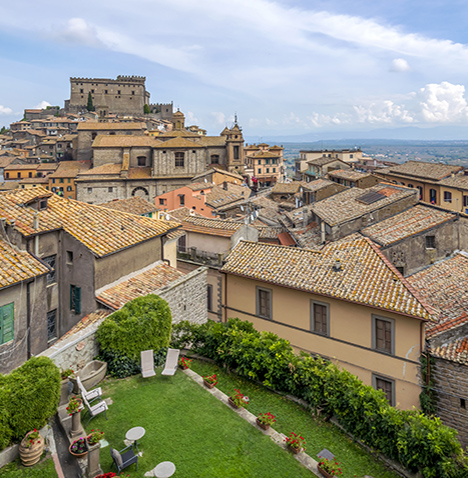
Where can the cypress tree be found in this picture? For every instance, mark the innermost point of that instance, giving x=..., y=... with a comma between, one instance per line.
x=90, y=106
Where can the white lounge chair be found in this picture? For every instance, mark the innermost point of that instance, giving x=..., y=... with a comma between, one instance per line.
x=92, y=394
x=171, y=362
x=147, y=364
x=95, y=409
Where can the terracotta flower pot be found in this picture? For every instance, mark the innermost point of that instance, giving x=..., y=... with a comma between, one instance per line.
x=77, y=455
x=231, y=402
x=30, y=455
x=208, y=384
x=265, y=426
x=323, y=472
x=295, y=450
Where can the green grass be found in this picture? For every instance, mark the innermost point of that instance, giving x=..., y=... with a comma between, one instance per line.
x=188, y=426
x=294, y=418
x=44, y=469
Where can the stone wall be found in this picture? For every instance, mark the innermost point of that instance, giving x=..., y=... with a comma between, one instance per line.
x=451, y=384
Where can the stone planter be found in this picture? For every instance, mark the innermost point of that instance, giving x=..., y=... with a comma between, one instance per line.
x=76, y=422
x=233, y=405
x=78, y=455
x=30, y=455
x=295, y=450
x=90, y=375
x=264, y=426
x=323, y=472
x=208, y=384
x=94, y=468
x=64, y=393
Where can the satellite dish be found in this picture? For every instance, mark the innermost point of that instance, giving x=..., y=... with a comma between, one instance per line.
x=255, y=213
x=206, y=180
x=252, y=217
x=242, y=208
x=167, y=217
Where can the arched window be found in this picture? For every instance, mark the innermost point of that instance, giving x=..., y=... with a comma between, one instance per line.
x=433, y=196
x=215, y=159
x=179, y=160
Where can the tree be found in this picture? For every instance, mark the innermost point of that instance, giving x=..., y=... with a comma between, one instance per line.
x=90, y=106
x=146, y=110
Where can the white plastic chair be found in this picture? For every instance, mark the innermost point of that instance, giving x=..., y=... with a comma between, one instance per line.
x=95, y=409
x=171, y=362
x=92, y=394
x=147, y=364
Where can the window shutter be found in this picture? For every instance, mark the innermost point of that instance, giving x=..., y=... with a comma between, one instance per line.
x=77, y=303
x=72, y=297
x=7, y=331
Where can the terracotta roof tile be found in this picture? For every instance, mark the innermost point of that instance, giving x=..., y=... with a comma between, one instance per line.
x=94, y=125
x=455, y=351
x=138, y=284
x=101, y=230
x=348, y=174
x=124, y=140
x=421, y=169
x=366, y=277
x=459, y=181
x=134, y=205
x=70, y=169
x=17, y=266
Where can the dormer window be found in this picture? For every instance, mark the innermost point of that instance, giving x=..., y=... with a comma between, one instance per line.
x=42, y=204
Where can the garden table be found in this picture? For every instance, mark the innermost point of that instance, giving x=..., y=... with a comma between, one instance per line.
x=135, y=434
x=164, y=469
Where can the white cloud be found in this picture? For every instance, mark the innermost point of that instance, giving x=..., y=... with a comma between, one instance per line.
x=383, y=112
x=190, y=118
x=43, y=104
x=399, y=65
x=77, y=30
x=5, y=111
x=443, y=103
x=220, y=118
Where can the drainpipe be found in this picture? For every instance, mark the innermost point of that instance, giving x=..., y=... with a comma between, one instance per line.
x=322, y=231
x=28, y=320
x=36, y=237
x=225, y=299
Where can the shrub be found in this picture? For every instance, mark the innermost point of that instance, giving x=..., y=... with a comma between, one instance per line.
x=5, y=429
x=33, y=395
x=142, y=324
x=118, y=365
x=418, y=442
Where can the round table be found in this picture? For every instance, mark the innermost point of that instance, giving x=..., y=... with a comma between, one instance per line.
x=164, y=469
x=135, y=434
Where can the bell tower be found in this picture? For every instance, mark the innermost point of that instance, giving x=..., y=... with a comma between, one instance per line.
x=235, y=148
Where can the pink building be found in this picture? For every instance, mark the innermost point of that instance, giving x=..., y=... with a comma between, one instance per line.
x=192, y=196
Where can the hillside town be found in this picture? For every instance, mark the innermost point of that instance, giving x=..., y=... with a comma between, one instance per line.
x=360, y=261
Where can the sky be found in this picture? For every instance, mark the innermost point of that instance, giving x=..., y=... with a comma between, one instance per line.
x=284, y=67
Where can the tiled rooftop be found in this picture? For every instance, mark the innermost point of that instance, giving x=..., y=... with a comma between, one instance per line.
x=367, y=277
x=94, y=125
x=18, y=266
x=444, y=285
x=348, y=174
x=413, y=221
x=218, y=196
x=134, y=205
x=101, y=230
x=200, y=186
x=345, y=206
x=458, y=181
x=455, y=351
x=140, y=283
x=322, y=161
x=124, y=140
x=423, y=170
x=69, y=169
x=318, y=184
x=288, y=188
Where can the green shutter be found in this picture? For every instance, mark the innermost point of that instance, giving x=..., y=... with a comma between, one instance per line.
x=77, y=300
x=7, y=315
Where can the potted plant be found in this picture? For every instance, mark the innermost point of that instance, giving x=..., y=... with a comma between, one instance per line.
x=31, y=448
x=95, y=437
x=185, y=363
x=296, y=443
x=210, y=380
x=265, y=420
x=329, y=468
x=65, y=374
x=237, y=400
x=78, y=448
x=111, y=474
x=75, y=405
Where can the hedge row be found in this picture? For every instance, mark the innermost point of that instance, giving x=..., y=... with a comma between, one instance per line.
x=29, y=397
x=418, y=442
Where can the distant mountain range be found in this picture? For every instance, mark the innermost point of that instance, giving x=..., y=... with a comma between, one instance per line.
x=408, y=133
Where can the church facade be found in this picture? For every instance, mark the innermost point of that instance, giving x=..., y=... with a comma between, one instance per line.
x=148, y=166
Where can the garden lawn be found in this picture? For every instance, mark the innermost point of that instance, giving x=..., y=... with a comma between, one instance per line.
x=44, y=469
x=294, y=418
x=188, y=426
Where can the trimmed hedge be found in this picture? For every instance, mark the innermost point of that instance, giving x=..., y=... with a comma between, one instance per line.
x=418, y=442
x=142, y=324
x=29, y=397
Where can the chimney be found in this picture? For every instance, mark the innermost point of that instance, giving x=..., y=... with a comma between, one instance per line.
x=337, y=266
x=225, y=186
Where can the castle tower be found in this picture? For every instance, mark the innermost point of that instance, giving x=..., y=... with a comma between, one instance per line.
x=178, y=119
x=235, y=148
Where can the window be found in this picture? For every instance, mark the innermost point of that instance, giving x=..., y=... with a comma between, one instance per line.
x=259, y=161
x=162, y=201
x=61, y=180
x=53, y=180
x=383, y=331
x=93, y=135
x=8, y=176
x=51, y=325
x=463, y=403
x=182, y=244
x=259, y=171
x=182, y=199
x=264, y=303
x=30, y=175
x=465, y=201
x=267, y=170
x=215, y=159
x=110, y=189
x=7, y=323
x=90, y=190
x=430, y=242
x=18, y=175
x=69, y=180
x=69, y=257
x=179, y=160
x=43, y=204
x=69, y=188
x=447, y=196
x=81, y=90
x=50, y=261
x=401, y=270
x=420, y=192
x=209, y=291
x=274, y=170
x=75, y=299
x=236, y=152
x=141, y=160
x=433, y=196
x=319, y=317
x=386, y=385
x=118, y=92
